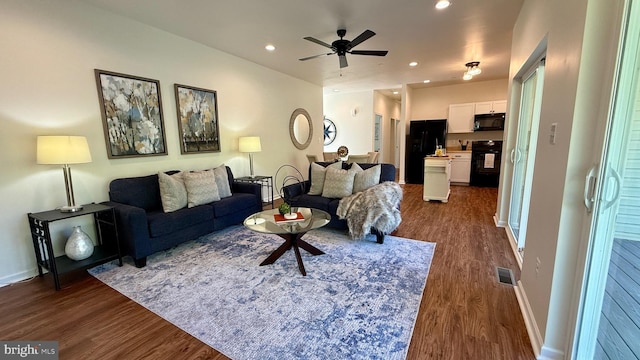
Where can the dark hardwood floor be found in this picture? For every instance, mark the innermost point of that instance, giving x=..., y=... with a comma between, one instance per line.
x=465, y=312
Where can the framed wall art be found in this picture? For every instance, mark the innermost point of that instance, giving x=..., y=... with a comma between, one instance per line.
x=197, y=119
x=131, y=110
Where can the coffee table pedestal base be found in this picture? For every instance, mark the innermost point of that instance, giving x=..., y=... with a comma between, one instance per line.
x=293, y=241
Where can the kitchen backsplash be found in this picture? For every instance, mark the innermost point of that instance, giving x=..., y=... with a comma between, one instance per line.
x=452, y=139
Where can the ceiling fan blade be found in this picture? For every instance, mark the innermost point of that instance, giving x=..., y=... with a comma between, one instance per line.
x=319, y=42
x=362, y=37
x=314, y=56
x=343, y=61
x=369, y=52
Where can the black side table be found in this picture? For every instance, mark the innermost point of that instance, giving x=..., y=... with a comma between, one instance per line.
x=107, y=248
x=264, y=181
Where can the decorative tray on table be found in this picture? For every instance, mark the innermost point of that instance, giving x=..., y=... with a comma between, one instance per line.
x=279, y=218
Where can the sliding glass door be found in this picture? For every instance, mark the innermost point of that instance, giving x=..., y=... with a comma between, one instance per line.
x=609, y=325
x=523, y=155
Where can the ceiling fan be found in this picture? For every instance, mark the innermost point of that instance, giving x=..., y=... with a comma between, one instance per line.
x=343, y=47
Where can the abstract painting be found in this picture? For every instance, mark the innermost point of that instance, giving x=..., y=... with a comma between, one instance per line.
x=131, y=110
x=197, y=119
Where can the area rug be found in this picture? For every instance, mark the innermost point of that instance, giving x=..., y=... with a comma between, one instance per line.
x=358, y=301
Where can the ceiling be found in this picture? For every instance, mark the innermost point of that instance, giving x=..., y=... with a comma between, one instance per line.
x=441, y=41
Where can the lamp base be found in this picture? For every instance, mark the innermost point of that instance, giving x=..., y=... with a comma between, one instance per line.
x=70, y=209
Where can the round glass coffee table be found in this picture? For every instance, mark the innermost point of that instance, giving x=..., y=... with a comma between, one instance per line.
x=290, y=230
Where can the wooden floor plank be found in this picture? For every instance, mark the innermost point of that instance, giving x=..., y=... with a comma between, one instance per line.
x=464, y=314
x=621, y=303
x=611, y=343
x=619, y=320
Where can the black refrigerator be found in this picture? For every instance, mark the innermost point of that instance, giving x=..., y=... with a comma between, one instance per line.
x=424, y=136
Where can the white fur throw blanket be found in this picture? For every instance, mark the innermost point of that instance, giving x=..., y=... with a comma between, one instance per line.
x=377, y=207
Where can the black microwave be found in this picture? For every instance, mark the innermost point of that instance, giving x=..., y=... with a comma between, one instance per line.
x=488, y=122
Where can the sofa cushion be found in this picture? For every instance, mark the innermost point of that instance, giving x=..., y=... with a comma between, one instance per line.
x=233, y=203
x=161, y=223
x=222, y=181
x=141, y=191
x=338, y=183
x=201, y=187
x=317, y=175
x=365, y=179
x=312, y=201
x=173, y=194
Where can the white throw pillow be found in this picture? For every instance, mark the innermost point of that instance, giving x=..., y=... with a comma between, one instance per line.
x=365, y=178
x=172, y=192
x=222, y=181
x=338, y=183
x=201, y=187
x=318, y=174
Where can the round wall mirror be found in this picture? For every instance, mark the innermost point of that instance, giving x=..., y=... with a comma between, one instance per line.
x=301, y=128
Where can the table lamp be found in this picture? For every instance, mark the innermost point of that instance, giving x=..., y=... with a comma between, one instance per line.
x=64, y=150
x=250, y=144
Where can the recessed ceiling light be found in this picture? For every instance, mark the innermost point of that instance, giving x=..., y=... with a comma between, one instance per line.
x=270, y=47
x=396, y=92
x=443, y=4
x=336, y=90
x=413, y=63
x=427, y=81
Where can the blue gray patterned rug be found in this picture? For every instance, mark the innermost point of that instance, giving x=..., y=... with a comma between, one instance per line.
x=358, y=301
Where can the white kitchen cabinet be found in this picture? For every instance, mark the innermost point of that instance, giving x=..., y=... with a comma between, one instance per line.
x=460, y=118
x=437, y=175
x=460, y=166
x=490, y=107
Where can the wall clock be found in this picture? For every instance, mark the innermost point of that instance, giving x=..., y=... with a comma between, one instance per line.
x=330, y=131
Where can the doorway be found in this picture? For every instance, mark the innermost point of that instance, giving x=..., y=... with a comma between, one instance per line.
x=395, y=138
x=377, y=134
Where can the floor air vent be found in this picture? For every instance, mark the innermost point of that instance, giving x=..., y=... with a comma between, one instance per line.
x=505, y=276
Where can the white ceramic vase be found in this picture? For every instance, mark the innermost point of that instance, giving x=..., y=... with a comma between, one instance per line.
x=79, y=245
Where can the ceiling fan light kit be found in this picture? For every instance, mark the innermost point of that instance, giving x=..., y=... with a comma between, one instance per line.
x=342, y=47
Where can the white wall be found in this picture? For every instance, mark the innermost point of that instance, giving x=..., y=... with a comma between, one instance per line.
x=433, y=102
x=389, y=108
x=354, y=132
x=573, y=95
x=49, y=52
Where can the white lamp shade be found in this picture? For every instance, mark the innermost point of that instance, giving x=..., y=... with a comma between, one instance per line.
x=249, y=144
x=62, y=150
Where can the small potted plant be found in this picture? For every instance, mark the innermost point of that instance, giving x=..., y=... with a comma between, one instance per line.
x=285, y=210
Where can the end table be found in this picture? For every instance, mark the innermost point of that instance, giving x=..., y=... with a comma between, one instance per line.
x=107, y=248
x=264, y=181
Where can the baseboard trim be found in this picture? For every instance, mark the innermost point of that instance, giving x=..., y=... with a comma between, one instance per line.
x=499, y=223
x=17, y=277
x=529, y=320
x=514, y=247
x=550, y=354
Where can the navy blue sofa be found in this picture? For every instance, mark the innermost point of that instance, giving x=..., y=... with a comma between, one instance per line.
x=296, y=195
x=144, y=228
